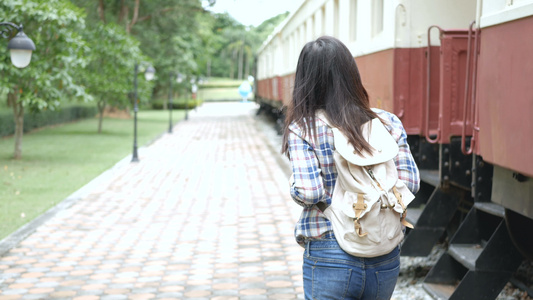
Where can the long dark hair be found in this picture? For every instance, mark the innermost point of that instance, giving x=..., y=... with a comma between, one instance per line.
x=327, y=78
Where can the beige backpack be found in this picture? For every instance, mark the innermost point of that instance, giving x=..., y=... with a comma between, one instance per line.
x=368, y=205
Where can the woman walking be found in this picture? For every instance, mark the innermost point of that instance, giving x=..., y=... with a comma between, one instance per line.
x=327, y=82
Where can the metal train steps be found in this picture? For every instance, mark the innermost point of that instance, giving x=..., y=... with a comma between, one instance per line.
x=430, y=219
x=480, y=260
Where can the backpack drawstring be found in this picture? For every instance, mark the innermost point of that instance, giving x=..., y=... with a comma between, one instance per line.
x=396, y=194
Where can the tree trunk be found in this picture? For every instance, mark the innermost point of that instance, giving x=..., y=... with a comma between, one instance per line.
x=101, y=107
x=232, y=65
x=18, y=115
x=134, y=18
x=101, y=10
x=123, y=13
x=247, y=68
x=241, y=58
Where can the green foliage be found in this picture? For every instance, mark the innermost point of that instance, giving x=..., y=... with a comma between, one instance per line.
x=177, y=35
x=109, y=73
x=73, y=61
x=170, y=32
x=181, y=103
x=54, y=27
x=220, y=94
x=233, y=42
x=267, y=27
x=45, y=118
x=218, y=82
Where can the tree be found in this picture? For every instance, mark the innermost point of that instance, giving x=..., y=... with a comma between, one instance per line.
x=54, y=26
x=111, y=61
x=228, y=34
x=257, y=35
x=171, y=32
x=235, y=44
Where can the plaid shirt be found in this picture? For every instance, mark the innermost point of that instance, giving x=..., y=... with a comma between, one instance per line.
x=314, y=172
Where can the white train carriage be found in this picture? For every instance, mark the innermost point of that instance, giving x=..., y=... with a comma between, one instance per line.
x=374, y=31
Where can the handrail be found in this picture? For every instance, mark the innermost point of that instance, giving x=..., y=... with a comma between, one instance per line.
x=467, y=86
x=474, y=112
x=401, y=101
x=428, y=88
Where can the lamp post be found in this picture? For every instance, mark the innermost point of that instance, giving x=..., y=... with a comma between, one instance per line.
x=179, y=79
x=193, y=91
x=170, y=103
x=149, y=73
x=20, y=46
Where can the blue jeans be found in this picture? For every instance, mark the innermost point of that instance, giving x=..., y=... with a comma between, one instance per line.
x=331, y=273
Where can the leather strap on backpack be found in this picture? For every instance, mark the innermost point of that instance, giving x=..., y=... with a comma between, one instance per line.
x=358, y=208
x=404, y=214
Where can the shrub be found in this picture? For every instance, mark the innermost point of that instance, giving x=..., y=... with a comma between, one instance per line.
x=33, y=120
x=218, y=86
x=176, y=103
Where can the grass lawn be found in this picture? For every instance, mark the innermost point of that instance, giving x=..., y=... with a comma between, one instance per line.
x=59, y=160
x=218, y=89
x=220, y=93
x=222, y=82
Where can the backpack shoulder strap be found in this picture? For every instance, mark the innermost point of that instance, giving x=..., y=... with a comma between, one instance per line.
x=379, y=138
x=322, y=116
x=398, y=196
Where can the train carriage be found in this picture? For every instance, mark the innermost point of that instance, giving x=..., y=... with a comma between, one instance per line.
x=457, y=73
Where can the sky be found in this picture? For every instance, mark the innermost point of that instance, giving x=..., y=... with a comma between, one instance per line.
x=254, y=12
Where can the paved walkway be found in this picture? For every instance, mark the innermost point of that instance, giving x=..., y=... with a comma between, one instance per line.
x=205, y=214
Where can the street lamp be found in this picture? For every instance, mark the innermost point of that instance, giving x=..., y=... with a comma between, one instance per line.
x=194, y=88
x=179, y=79
x=149, y=73
x=20, y=46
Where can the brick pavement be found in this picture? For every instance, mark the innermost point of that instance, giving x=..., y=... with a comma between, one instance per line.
x=205, y=214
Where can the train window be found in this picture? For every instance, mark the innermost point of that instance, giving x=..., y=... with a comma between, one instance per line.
x=312, y=28
x=514, y=2
x=323, y=25
x=304, y=34
x=353, y=20
x=377, y=17
x=336, y=18
x=298, y=38
x=400, y=26
x=286, y=52
x=292, y=50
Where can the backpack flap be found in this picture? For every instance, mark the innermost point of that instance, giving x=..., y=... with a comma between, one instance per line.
x=350, y=198
x=394, y=192
x=387, y=176
x=351, y=182
x=384, y=145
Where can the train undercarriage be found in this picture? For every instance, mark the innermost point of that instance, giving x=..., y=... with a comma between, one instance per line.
x=486, y=243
